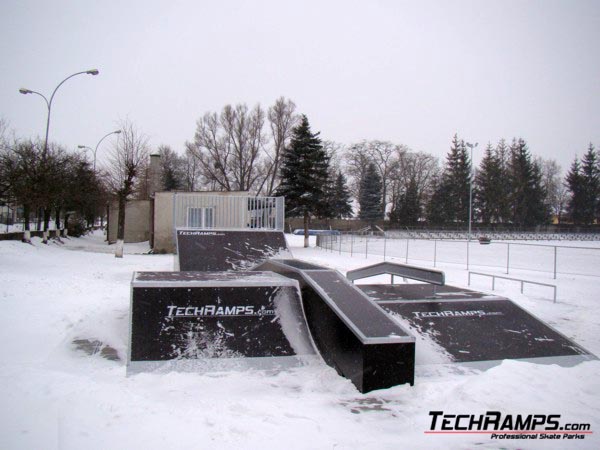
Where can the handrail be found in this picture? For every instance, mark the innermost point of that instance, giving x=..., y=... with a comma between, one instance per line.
x=402, y=270
x=493, y=277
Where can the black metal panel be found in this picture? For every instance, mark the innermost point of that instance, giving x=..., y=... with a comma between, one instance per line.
x=368, y=319
x=484, y=330
x=227, y=250
x=420, y=291
x=339, y=347
x=369, y=367
x=211, y=322
x=386, y=365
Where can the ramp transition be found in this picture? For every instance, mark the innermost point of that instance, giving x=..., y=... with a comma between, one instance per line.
x=219, y=250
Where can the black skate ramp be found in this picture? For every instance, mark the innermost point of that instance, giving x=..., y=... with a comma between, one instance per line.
x=351, y=332
x=475, y=328
x=206, y=321
x=220, y=250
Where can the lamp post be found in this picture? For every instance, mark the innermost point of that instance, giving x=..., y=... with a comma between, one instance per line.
x=98, y=144
x=471, y=146
x=49, y=102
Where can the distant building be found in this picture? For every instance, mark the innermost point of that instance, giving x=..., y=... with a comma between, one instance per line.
x=157, y=218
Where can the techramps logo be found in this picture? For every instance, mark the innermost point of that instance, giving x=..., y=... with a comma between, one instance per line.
x=455, y=314
x=501, y=426
x=174, y=311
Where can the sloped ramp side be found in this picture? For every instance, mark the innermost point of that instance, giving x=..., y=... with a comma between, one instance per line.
x=206, y=321
x=221, y=250
x=476, y=329
x=351, y=332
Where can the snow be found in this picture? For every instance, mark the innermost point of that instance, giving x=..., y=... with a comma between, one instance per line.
x=56, y=396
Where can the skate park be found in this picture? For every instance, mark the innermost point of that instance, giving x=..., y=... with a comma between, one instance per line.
x=238, y=299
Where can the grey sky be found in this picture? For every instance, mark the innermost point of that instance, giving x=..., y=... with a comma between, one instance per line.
x=409, y=72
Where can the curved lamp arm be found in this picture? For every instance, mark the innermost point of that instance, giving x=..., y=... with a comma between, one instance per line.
x=49, y=102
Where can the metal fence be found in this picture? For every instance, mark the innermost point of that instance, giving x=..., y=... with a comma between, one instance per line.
x=506, y=256
x=196, y=210
x=496, y=235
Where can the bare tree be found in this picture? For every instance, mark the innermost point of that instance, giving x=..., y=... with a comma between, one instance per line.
x=191, y=170
x=282, y=119
x=383, y=154
x=556, y=192
x=335, y=151
x=356, y=163
x=414, y=171
x=3, y=133
x=125, y=166
x=227, y=147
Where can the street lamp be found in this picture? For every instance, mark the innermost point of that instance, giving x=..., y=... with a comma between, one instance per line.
x=49, y=102
x=98, y=144
x=471, y=146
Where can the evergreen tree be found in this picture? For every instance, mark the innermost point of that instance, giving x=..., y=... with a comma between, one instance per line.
x=502, y=153
x=304, y=174
x=172, y=174
x=439, y=208
x=370, y=195
x=488, y=190
x=170, y=180
x=576, y=203
x=325, y=208
x=452, y=196
x=590, y=185
x=407, y=210
x=527, y=193
x=341, y=198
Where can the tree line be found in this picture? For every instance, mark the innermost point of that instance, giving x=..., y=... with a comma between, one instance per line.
x=49, y=183
x=273, y=151
x=408, y=188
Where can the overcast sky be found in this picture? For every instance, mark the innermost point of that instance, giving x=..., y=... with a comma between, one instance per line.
x=413, y=73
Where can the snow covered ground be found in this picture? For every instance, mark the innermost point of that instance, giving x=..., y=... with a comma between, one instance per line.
x=55, y=396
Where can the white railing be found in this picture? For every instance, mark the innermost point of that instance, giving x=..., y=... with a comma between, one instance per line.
x=518, y=280
x=208, y=211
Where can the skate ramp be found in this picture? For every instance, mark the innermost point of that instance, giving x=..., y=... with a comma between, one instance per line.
x=207, y=321
x=474, y=328
x=351, y=332
x=222, y=250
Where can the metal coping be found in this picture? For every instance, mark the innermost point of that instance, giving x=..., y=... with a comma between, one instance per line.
x=402, y=270
x=298, y=264
x=216, y=230
x=341, y=306
x=212, y=231
x=441, y=300
x=210, y=279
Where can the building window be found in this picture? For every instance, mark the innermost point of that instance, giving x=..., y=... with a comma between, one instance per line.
x=200, y=217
